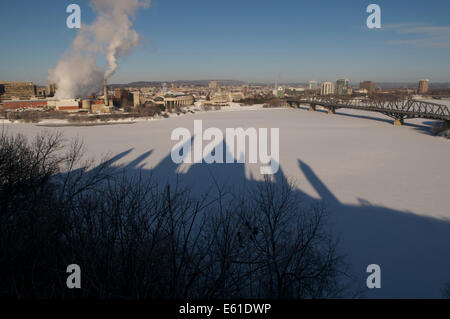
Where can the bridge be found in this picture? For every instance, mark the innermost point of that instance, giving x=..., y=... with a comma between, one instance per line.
x=399, y=110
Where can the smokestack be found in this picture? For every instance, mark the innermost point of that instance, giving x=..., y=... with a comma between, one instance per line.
x=109, y=37
x=105, y=90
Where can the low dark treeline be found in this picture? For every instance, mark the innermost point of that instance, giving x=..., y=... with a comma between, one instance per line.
x=255, y=100
x=36, y=116
x=134, y=238
x=32, y=116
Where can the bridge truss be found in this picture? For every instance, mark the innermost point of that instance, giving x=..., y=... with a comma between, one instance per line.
x=399, y=110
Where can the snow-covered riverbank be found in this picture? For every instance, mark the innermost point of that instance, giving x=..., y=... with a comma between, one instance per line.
x=387, y=187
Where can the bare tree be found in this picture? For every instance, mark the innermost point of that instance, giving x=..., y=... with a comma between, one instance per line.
x=446, y=290
x=134, y=238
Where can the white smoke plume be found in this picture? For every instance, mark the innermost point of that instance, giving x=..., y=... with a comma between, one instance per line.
x=110, y=37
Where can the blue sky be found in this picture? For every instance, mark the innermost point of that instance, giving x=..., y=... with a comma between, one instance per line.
x=250, y=40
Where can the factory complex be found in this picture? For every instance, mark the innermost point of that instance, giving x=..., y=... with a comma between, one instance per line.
x=26, y=95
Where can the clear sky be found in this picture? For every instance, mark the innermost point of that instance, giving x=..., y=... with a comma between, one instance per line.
x=250, y=40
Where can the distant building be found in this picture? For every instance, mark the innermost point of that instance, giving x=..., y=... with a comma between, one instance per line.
x=279, y=92
x=220, y=99
x=40, y=91
x=369, y=86
x=122, y=98
x=176, y=101
x=342, y=86
x=50, y=90
x=137, y=99
x=424, y=86
x=236, y=96
x=313, y=85
x=67, y=105
x=245, y=89
x=18, y=90
x=361, y=91
x=327, y=88
x=213, y=85
x=294, y=90
x=24, y=104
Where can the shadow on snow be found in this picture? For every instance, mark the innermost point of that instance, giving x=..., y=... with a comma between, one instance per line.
x=412, y=250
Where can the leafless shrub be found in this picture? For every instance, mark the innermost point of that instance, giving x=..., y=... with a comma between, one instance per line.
x=275, y=248
x=27, y=116
x=441, y=128
x=134, y=238
x=446, y=291
x=274, y=103
x=150, y=110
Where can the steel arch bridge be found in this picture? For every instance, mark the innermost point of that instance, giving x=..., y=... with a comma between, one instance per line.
x=399, y=110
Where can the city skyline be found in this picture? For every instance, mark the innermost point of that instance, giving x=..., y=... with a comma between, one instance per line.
x=264, y=41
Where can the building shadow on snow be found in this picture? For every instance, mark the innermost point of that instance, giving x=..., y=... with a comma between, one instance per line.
x=412, y=250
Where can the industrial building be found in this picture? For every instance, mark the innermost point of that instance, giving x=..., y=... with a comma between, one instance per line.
x=22, y=95
x=24, y=104
x=58, y=105
x=17, y=90
x=122, y=98
x=64, y=105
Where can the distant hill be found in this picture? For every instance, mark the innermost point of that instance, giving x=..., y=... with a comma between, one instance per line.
x=382, y=85
x=141, y=84
x=385, y=85
x=414, y=85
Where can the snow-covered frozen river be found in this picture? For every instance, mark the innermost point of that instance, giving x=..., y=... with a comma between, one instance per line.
x=387, y=188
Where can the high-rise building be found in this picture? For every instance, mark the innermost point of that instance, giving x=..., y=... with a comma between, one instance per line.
x=369, y=86
x=423, y=86
x=313, y=85
x=327, y=88
x=342, y=86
